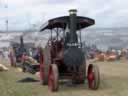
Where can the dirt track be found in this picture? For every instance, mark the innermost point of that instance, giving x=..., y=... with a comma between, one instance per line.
x=114, y=82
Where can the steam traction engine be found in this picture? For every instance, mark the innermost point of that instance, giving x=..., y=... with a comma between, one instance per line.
x=16, y=51
x=63, y=56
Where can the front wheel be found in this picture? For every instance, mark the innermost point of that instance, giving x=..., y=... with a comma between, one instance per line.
x=93, y=77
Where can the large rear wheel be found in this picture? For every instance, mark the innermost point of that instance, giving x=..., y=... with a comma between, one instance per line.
x=43, y=75
x=53, y=81
x=44, y=67
x=93, y=77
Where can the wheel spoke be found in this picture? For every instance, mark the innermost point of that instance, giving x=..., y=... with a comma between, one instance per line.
x=91, y=79
x=53, y=78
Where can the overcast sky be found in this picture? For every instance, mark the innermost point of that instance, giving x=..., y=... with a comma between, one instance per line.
x=22, y=13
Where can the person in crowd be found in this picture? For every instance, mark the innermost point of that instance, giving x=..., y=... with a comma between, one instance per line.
x=6, y=53
x=118, y=54
x=30, y=51
x=1, y=55
x=127, y=54
x=36, y=54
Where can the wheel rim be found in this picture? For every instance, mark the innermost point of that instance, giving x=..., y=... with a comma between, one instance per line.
x=91, y=77
x=51, y=80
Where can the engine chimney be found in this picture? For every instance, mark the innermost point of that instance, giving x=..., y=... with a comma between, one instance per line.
x=73, y=25
x=21, y=42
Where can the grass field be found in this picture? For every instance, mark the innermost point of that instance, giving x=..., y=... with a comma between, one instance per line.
x=114, y=82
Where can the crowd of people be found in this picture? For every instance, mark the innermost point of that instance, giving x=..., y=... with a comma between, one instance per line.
x=32, y=52
x=4, y=54
x=110, y=54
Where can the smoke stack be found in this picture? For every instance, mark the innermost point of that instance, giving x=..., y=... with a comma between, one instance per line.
x=21, y=41
x=73, y=24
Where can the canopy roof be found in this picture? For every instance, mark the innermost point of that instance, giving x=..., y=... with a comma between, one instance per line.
x=61, y=22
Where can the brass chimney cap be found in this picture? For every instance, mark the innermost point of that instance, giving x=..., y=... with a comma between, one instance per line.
x=72, y=11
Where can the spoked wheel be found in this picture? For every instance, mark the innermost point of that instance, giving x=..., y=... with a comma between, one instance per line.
x=43, y=75
x=43, y=69
x=53, y=82
x=93, y=77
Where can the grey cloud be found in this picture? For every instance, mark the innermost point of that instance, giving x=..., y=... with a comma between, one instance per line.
x=107, y=13
x=59, y=1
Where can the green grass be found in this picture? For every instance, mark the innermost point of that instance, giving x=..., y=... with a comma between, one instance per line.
x=114, y=82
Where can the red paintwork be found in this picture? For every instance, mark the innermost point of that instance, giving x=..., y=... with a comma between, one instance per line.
x=51, y=79
x=23, y=58
x=90, y=76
